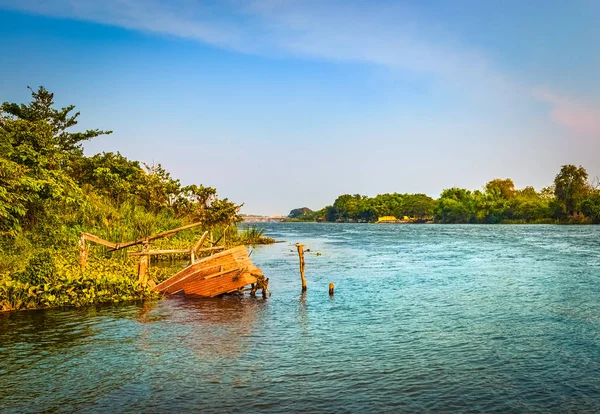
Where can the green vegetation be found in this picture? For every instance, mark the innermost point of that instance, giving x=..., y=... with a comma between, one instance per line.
x=300, y=213
x=572, y=199
x=51, y=280
x=362, y=209
x=50, y=192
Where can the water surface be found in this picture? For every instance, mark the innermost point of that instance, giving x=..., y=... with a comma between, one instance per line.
x=425, y=317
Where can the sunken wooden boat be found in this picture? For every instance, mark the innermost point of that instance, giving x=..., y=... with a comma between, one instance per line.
x=225, y=272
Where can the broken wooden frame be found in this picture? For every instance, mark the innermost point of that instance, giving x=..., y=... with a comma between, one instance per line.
x=145, y=253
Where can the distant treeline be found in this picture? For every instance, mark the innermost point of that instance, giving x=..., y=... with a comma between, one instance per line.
x=572, y=199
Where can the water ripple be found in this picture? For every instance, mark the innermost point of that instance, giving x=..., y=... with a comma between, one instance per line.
x=425, y=318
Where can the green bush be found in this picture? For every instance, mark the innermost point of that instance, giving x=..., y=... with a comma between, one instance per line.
x=40, y=269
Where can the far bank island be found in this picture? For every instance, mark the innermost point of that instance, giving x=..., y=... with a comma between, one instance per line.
x=571, y=199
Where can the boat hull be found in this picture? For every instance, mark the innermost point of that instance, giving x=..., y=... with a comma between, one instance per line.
x=215, y=275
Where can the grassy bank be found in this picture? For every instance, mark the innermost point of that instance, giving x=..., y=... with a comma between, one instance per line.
x=53, y=277
x=50, y=192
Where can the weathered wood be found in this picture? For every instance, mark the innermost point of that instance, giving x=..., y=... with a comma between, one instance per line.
x=213, y=249
x=301, y=256
x=155, y=252
x=167, y=233
x=143, y=267
x=96, y=239
x=84, y=250
x=215, y=275
x=224, y=272
x=200, y=242
x=173, y=251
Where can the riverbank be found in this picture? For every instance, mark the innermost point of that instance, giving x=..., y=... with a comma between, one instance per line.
x=54, y=277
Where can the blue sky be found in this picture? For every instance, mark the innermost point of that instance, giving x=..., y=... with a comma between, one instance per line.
x=283, y=104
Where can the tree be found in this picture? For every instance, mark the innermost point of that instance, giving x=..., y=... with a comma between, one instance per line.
x=590, y=206
x=41, y=109
x=330, y=214
x=34, y=180
x=505, y=188
x=455, y=206
x=570, y=187
x=297, y=212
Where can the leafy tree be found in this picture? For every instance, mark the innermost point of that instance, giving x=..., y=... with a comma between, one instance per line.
x=590, y=206
x=504, y=188
x=110, y=174
x=35, y=178
x=298, y=212
x=193, y=198
x=455, y=206
x=60, y=120
x=330, y=214
x=570, y=187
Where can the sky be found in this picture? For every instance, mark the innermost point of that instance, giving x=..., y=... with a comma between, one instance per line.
x=282, y=104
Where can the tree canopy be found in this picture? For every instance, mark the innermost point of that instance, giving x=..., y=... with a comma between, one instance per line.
x=50, y=189
x=571, y=199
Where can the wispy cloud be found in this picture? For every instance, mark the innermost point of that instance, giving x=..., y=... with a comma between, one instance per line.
x=385, y=34
x=379, y=33
x=582, y=118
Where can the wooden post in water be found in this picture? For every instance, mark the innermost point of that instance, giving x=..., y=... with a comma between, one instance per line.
x=143, y=268
x=301, y=255
x=331, y=289
x=265, y=288
x=84, y=249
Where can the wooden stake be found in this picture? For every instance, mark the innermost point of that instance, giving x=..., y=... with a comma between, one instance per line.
x=331, y=289
x=84, y=249
x=265, y=288
x=301, y=256
x=143, y=269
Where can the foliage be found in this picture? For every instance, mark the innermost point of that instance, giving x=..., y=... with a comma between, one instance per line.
x=363, y=209
x=254, y=235
x=52, y=280
x=570, y=200
x=571, y=187
x=299, y=212
x=40, y=269
x=50, y=192
x=590, y=207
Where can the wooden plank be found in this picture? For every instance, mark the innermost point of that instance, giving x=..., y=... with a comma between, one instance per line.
x=96, y=239
x=224, y=272
x=173, y=251
x=155, y=252
x=238, y=256
x=215, y=286
x=154, y=237
x=208, y=249
x=200, y=242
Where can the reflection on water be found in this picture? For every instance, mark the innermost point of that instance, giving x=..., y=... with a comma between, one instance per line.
x=461, y=318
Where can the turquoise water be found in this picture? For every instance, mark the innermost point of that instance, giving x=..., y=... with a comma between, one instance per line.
x=424, y=318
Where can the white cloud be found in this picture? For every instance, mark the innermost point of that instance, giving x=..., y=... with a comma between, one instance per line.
x=385, y=34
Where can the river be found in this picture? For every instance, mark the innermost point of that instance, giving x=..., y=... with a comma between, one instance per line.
x=424, y=318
